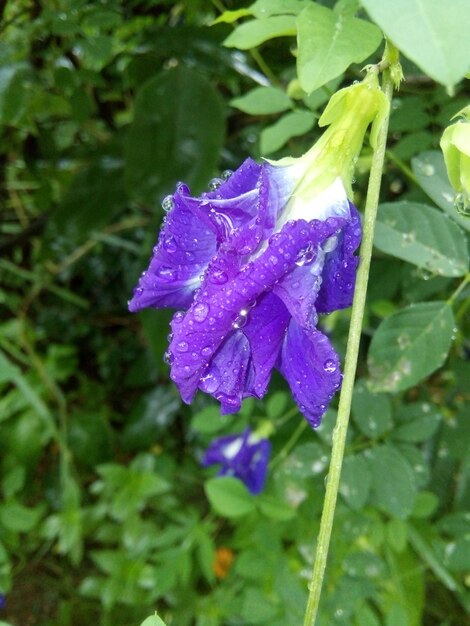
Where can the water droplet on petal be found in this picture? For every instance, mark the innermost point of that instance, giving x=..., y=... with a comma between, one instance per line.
x=241, y=319
x=210, y=382
x=215, y=183
x=305, y=256
x=330, y=366
x=178, y=317
x=168, y=357
x=182, y=346
x=138, y=291
x=168, y=203
x=182, y=189
x=167, y=273
x=200, y=311
x=226, y=174
x=207, y=351
x=170, y=245
x=219, y=277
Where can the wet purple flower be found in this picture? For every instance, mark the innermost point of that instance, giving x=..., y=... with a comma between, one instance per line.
x=243, y=456
x=253, y=262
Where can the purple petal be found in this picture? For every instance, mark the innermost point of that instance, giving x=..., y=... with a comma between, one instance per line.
x=185, y=247
x=215, y=313
x=227, y=372
x=265, y=329
x=243, y=364
x=311, y=367
x=241, y=457
x=339, y=272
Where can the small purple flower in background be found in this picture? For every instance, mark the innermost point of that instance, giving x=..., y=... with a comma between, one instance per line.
x=244, y=456
x=253, y=262
x=2, y=601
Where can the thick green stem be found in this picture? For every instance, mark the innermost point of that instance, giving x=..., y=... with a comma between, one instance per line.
x=357, y=314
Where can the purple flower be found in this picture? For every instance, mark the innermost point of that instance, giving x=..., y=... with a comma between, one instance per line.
x=253, y=281
x=2, y=601
x=243, y=456
x=253, y=262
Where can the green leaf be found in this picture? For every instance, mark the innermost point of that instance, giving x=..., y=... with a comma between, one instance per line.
x=328, y=42
x=229, y=496
x=372, y=412
x=255, y=32
x=263, y=101
x=430, y=171
x=409, y=345
x=432, y=33
x=273, y=508
x=263, y=8
x=356, y=481
x=423, y=236
x=397, y=534
x=393, y=481
x=177, y=134
x=13, y=92
x=95, y=195
x=418, y=430
x=256, y=607
x=290, y=125
x=209, y=420
x=19, y=518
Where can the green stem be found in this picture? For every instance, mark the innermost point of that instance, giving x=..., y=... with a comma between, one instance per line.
x=352, y=352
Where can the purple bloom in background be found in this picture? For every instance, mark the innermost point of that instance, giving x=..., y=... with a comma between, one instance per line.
x=252, y=263
x=2, y=601
x=243, y=456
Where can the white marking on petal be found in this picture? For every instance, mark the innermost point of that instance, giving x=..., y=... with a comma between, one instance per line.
x=231, y=450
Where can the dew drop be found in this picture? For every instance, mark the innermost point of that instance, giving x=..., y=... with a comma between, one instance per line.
x=210, y=382
x=241, y=319
x=167, y=273
x=206, y=351
x=329, y=366
x=168, y=357
x=182, y=346
x=462, y=204
x=305, y=256
x=138, y=291
x=182, y=189
x=215, y=183
x=170, y=245
x=219, y=277
x=200, y=311
x=168, y=203
x=226, y=174
x=178, y=317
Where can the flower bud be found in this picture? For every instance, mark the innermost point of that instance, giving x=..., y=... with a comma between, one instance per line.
x=455, y=145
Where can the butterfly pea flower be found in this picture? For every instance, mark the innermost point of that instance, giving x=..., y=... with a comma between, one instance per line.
x=244, y=456
x=252, y=263
x=455, y=145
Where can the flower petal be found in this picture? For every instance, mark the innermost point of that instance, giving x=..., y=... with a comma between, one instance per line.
x=311, y=367
x=241, y=456
x=265, y=330
x=185, y=247
x=339, y=272
x=216, y=312
x=227, y=372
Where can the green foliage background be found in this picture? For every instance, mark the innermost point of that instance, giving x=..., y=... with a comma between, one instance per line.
x=106, y=514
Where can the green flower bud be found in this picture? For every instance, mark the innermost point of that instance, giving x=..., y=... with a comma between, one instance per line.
x=455, y=145
x=348, y=115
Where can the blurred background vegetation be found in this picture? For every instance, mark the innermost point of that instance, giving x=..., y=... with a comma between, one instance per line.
x=104, y=106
